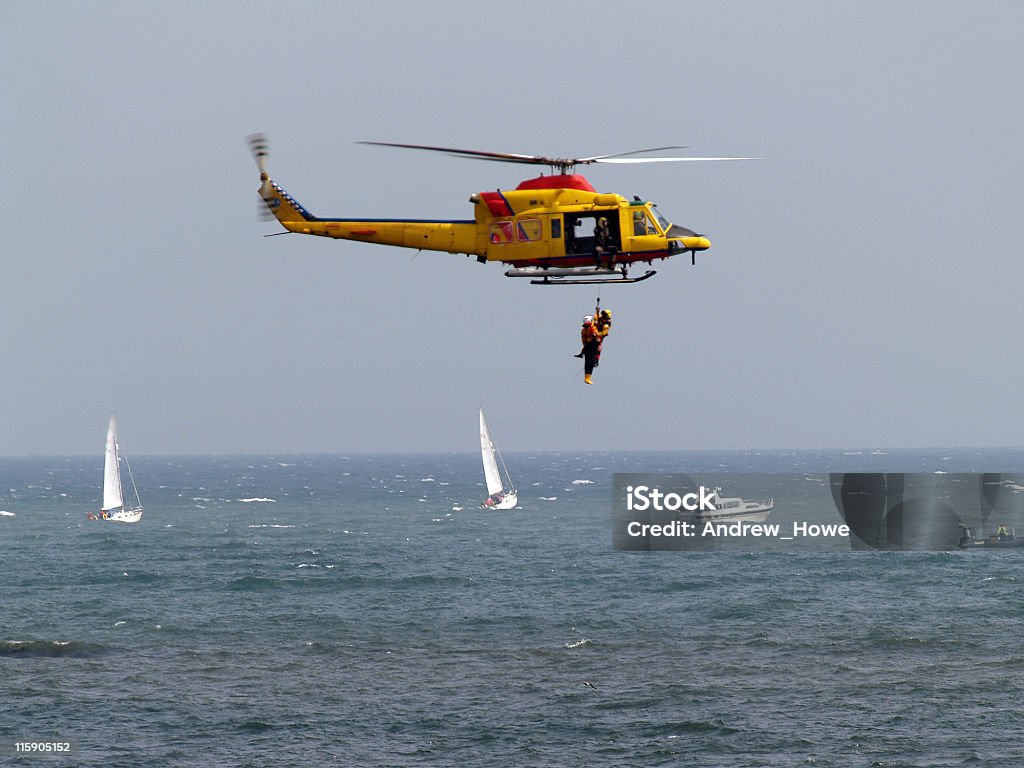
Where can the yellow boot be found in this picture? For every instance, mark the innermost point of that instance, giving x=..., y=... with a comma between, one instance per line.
x=586, y=378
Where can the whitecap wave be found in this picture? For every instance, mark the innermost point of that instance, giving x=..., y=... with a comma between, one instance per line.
x=579, y=643
x=258, y=499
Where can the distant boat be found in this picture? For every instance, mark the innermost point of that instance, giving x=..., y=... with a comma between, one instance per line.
x=114, y=508
x=498, y=496
x=736, y=510
x=1005, y=539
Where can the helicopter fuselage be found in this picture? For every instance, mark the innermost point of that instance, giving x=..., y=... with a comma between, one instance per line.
x=548, y=221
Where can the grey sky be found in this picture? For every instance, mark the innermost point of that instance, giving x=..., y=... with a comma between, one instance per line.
x=862, y=290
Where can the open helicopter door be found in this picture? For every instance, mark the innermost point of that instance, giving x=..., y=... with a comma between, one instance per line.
x=579, y=232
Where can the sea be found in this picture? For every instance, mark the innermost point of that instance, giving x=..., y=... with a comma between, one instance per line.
x=363, y=610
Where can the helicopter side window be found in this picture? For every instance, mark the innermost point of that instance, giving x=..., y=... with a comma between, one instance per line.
x=529, y=230
x=501, y=232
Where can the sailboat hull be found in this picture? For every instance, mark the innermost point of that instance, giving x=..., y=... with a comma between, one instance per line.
x=508, y=501
x=125, y=516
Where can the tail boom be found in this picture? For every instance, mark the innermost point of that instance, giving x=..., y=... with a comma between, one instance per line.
x=427, y=235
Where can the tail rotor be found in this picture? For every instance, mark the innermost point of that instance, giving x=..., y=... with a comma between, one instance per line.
x=260, y=148
x=275, y=203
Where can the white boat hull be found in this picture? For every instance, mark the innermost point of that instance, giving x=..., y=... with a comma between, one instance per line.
x=736, y=510
x=508, y=502
x=735, y=517
x=125, y=516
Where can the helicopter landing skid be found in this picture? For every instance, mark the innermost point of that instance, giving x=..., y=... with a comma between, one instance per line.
x=593, y=281
x=581, y=276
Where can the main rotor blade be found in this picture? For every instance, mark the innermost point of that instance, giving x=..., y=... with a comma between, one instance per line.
x=507, y=157
x=666, y=159
x=562, y=163
x=599, y=158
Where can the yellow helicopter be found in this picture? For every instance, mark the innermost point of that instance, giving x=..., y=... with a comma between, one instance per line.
x=554, y=229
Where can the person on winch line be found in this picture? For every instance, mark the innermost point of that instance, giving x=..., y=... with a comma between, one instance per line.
x=591, y=347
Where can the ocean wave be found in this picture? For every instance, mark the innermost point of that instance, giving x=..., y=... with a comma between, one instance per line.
x=258, y=499
x=49, y=649
x=255, y=726
x=270, y=525
x=579, y=643
x=5, y=513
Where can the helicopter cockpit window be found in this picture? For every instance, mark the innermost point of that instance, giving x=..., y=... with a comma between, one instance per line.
x=665, y=223
x=642, y=223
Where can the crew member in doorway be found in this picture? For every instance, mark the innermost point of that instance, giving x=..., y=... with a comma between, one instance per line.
x=604, y=247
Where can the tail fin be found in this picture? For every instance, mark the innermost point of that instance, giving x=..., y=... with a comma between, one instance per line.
x=283, y=206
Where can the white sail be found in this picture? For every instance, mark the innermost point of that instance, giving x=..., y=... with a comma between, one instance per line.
x=491, y=475
x=498, y=496
x=112, y=497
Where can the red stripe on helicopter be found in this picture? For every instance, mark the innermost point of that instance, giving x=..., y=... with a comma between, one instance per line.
x=585, y=259
x=496, y=203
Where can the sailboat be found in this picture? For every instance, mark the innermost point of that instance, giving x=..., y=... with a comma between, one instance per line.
x=498, y=497
x=114, y=508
